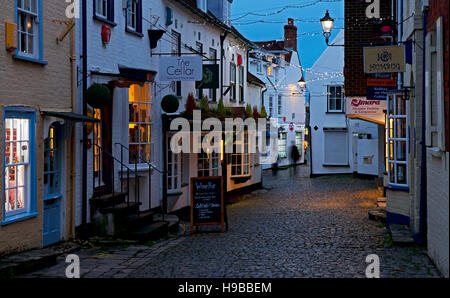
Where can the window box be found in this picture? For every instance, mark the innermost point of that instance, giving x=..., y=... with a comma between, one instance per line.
x=241, y=179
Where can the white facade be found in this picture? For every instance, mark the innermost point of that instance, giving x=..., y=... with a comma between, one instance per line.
x=339, y=145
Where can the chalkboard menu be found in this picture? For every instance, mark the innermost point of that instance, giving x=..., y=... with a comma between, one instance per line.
x=207, y=202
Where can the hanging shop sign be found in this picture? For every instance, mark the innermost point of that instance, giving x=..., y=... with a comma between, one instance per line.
x=207, y=206
x=210, y=78
x=180, y=68
x=384, y=59
x=377, y=89
x=363, y=108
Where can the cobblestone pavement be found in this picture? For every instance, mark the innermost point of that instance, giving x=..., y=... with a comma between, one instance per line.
x=299, y=227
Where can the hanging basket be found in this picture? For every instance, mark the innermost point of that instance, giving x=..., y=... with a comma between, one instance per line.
x=170, y=104
x=98, y=96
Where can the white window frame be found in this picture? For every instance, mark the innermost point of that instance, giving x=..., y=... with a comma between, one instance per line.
x=32, y=31
x=244, y=154
x=174, y=171
x=435, y=46
x=392, y=137
x=282, y=145
x=330, y=98
x=241, y=84
x=101, y=8
x=208, y=159
x=132, y=15
x=140, y=123
x=233, y=73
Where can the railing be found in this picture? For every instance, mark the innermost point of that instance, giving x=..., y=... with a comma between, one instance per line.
x=138, y=157
x=98, y=177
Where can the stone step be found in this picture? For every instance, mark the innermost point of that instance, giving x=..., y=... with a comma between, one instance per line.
x=173, y=220
x=152, y=231
x=378, y=214
x=108, y=200
x=122, y=209
x=401, y=235
x=27, y=262
x=137, y=220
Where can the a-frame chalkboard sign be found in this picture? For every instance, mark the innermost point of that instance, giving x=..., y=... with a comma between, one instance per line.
x=207, y=204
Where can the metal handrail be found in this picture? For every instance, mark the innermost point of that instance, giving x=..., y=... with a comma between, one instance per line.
x=138, y=156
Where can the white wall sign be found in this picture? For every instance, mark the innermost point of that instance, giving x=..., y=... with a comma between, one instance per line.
x=360, y=107
x=180, y=68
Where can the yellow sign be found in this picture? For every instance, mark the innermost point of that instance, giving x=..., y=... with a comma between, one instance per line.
x=384, y=59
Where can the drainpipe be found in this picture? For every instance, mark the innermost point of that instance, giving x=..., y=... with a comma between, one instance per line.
x=222, y=41
x=73, y=165
x=422, y=238
x=84, y=161
x=262, y=95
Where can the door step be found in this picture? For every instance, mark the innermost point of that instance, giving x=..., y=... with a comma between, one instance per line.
x=27, y=262
x=108, y=200
x=152, y=231
x=401, y=235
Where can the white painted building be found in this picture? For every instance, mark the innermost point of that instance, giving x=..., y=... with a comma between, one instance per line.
x=339, y=145
x=278, y=65
x=131, y=143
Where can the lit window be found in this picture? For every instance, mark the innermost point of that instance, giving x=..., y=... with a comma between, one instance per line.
x=335, y=99
x=140, y=120
x=208, y=164
x=97, y=147
x=282, y=145
x=28, y=28
x=240, y=158
x=51, y=163
x=20, y=177
x=269, y=67
x=397, y=140
x=299, y=142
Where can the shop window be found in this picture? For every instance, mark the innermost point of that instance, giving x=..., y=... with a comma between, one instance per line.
x=134, y=16
x=52, y=174
x=240, y=158
x=336, y=147
x=397, y=140
x=299, y=142
x=19, y=165
x=208, y=164
x=282, y=142
x=29, y=27
x=335, y=99
x=140, y=123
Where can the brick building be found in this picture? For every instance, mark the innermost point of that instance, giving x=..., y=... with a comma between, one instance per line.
x=37, y=203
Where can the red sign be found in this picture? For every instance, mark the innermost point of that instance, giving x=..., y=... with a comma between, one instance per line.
x=382, y=82
x=106, y=34
x=239, y=59
x=291, y=126
x=366, y=109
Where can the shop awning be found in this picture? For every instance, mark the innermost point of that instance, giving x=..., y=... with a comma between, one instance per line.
x=143, y=75
x=366, y=119
x=70, y=116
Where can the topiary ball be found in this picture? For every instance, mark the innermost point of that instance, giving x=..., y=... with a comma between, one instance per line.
x=170, y=103
x=98, y=96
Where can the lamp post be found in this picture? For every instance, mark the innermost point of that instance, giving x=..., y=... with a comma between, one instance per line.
x=301, y=83
x=327, y=27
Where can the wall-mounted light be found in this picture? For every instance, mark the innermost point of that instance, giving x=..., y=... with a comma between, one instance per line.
x=301, y=83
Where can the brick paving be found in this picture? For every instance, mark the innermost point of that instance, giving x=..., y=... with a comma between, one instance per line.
x=299, y=227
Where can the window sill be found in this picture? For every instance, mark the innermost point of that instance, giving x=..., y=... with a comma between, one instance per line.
x=330, y=165
x=174, y=193
x=133, y=32
x=241, y=179
x=29, y=59
x=18, y=217
x=397, y=187
x=334, y=112
x=103, y=20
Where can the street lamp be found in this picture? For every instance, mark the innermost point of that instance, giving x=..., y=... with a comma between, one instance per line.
x=327, y=26
x=302, y=83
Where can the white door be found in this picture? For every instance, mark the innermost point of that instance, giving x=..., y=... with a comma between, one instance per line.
x=368, y=157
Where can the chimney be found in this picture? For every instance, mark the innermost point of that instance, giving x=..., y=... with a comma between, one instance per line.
x=290, y=35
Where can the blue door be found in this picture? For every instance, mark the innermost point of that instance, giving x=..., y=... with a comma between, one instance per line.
x=52, y=194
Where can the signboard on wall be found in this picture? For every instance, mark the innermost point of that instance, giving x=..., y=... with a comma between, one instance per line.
x=207, y=206
x=210, y=79
x=180, y=68
x=384, y=59
x=377, y=89
x=363, y=108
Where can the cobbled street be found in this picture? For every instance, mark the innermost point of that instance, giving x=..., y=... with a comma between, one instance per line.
x=296, y=227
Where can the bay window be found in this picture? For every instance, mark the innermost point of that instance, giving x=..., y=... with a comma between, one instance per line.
x=397, y=140
x=240, y=158
x=19, y=165
x=140, y=122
